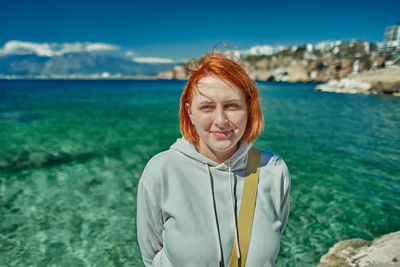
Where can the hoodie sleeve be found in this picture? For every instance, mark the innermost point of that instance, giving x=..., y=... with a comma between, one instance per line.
x=285, y=196
x=149, y=221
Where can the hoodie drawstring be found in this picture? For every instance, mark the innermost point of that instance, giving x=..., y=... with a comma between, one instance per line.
x=215, y=214
x=233, y=214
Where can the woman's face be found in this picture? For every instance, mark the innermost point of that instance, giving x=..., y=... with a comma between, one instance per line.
x=219, y=113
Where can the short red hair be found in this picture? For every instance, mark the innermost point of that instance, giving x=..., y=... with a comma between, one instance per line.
x=218, y=64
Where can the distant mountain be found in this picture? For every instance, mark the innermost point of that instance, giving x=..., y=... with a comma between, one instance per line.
x=22, y=64
x=82, y=63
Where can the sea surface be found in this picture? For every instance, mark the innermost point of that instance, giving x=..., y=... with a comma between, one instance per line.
x=71, y=154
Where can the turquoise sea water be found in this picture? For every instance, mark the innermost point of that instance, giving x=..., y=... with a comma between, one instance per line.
x=71, y=154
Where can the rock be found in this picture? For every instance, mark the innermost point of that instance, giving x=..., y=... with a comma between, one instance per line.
x=168, y=74
x=345, y=85
x=262, y=76
x=25, y=159
x=386, y=80
x=178, y=72
x=382, y=81
x=297, y=66
x=382, y=251
x=385, y=87
x=289, y=69
x=281, y=74
x=297, y=72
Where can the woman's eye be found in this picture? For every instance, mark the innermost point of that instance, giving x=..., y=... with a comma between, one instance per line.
x=232, y=105
x=207, y=107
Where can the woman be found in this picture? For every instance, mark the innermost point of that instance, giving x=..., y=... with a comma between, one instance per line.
x=189, y=197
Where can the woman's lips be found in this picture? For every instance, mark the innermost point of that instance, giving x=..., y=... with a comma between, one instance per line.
x=221, y=134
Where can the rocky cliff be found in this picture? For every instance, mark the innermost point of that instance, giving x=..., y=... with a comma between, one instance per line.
x=306, y=63
x=381, y=81
x=352, y=67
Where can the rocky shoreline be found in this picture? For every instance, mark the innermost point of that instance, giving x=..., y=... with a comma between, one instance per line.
x=382, y=251
x=345, y=67
x=382, y=81
x=378, y=81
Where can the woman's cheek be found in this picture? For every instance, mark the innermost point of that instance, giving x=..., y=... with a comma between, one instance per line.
x=205, y=120
x=238, y=117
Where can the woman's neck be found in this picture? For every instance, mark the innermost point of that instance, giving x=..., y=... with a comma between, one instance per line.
x=217, y=156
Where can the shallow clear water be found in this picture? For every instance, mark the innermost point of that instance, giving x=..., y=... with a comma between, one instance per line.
x=71, y=154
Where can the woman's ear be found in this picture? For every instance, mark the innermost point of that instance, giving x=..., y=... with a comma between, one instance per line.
x=189, y=112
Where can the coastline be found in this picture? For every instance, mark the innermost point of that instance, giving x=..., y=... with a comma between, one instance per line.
x=381, y=81
x=82, y=77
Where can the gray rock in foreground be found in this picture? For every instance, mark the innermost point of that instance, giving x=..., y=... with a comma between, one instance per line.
x=382, y=251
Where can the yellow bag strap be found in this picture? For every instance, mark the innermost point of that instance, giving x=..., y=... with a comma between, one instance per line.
x=247, y=206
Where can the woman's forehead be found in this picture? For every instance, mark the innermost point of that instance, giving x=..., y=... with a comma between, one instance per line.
x=214, y=81
x=214, y=84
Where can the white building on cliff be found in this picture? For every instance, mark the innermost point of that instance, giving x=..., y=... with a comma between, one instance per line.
x=259, y=50
x=391, y=45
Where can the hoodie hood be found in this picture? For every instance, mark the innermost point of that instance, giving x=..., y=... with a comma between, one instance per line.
x=236, y=162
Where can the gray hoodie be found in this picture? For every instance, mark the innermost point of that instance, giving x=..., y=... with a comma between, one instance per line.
x=187, y=207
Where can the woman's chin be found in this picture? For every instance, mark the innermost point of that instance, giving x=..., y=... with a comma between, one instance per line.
x=224, y=146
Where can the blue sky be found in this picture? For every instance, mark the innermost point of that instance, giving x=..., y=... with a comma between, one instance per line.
x=184, y=29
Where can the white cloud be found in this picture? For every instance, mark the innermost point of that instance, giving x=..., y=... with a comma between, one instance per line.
x=22, y=48
x=52, y=49
x=100, y=47
x=152, y=60
x=68, y=48
x=129, y=53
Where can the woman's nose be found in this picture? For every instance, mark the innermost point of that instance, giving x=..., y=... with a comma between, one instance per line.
x=220, y=119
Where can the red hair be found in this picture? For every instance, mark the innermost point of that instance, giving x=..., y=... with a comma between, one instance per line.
x=218, y=64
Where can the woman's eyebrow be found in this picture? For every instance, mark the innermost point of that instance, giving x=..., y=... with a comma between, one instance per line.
x=212, y=102
x=206, y=102
x=232, y=100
